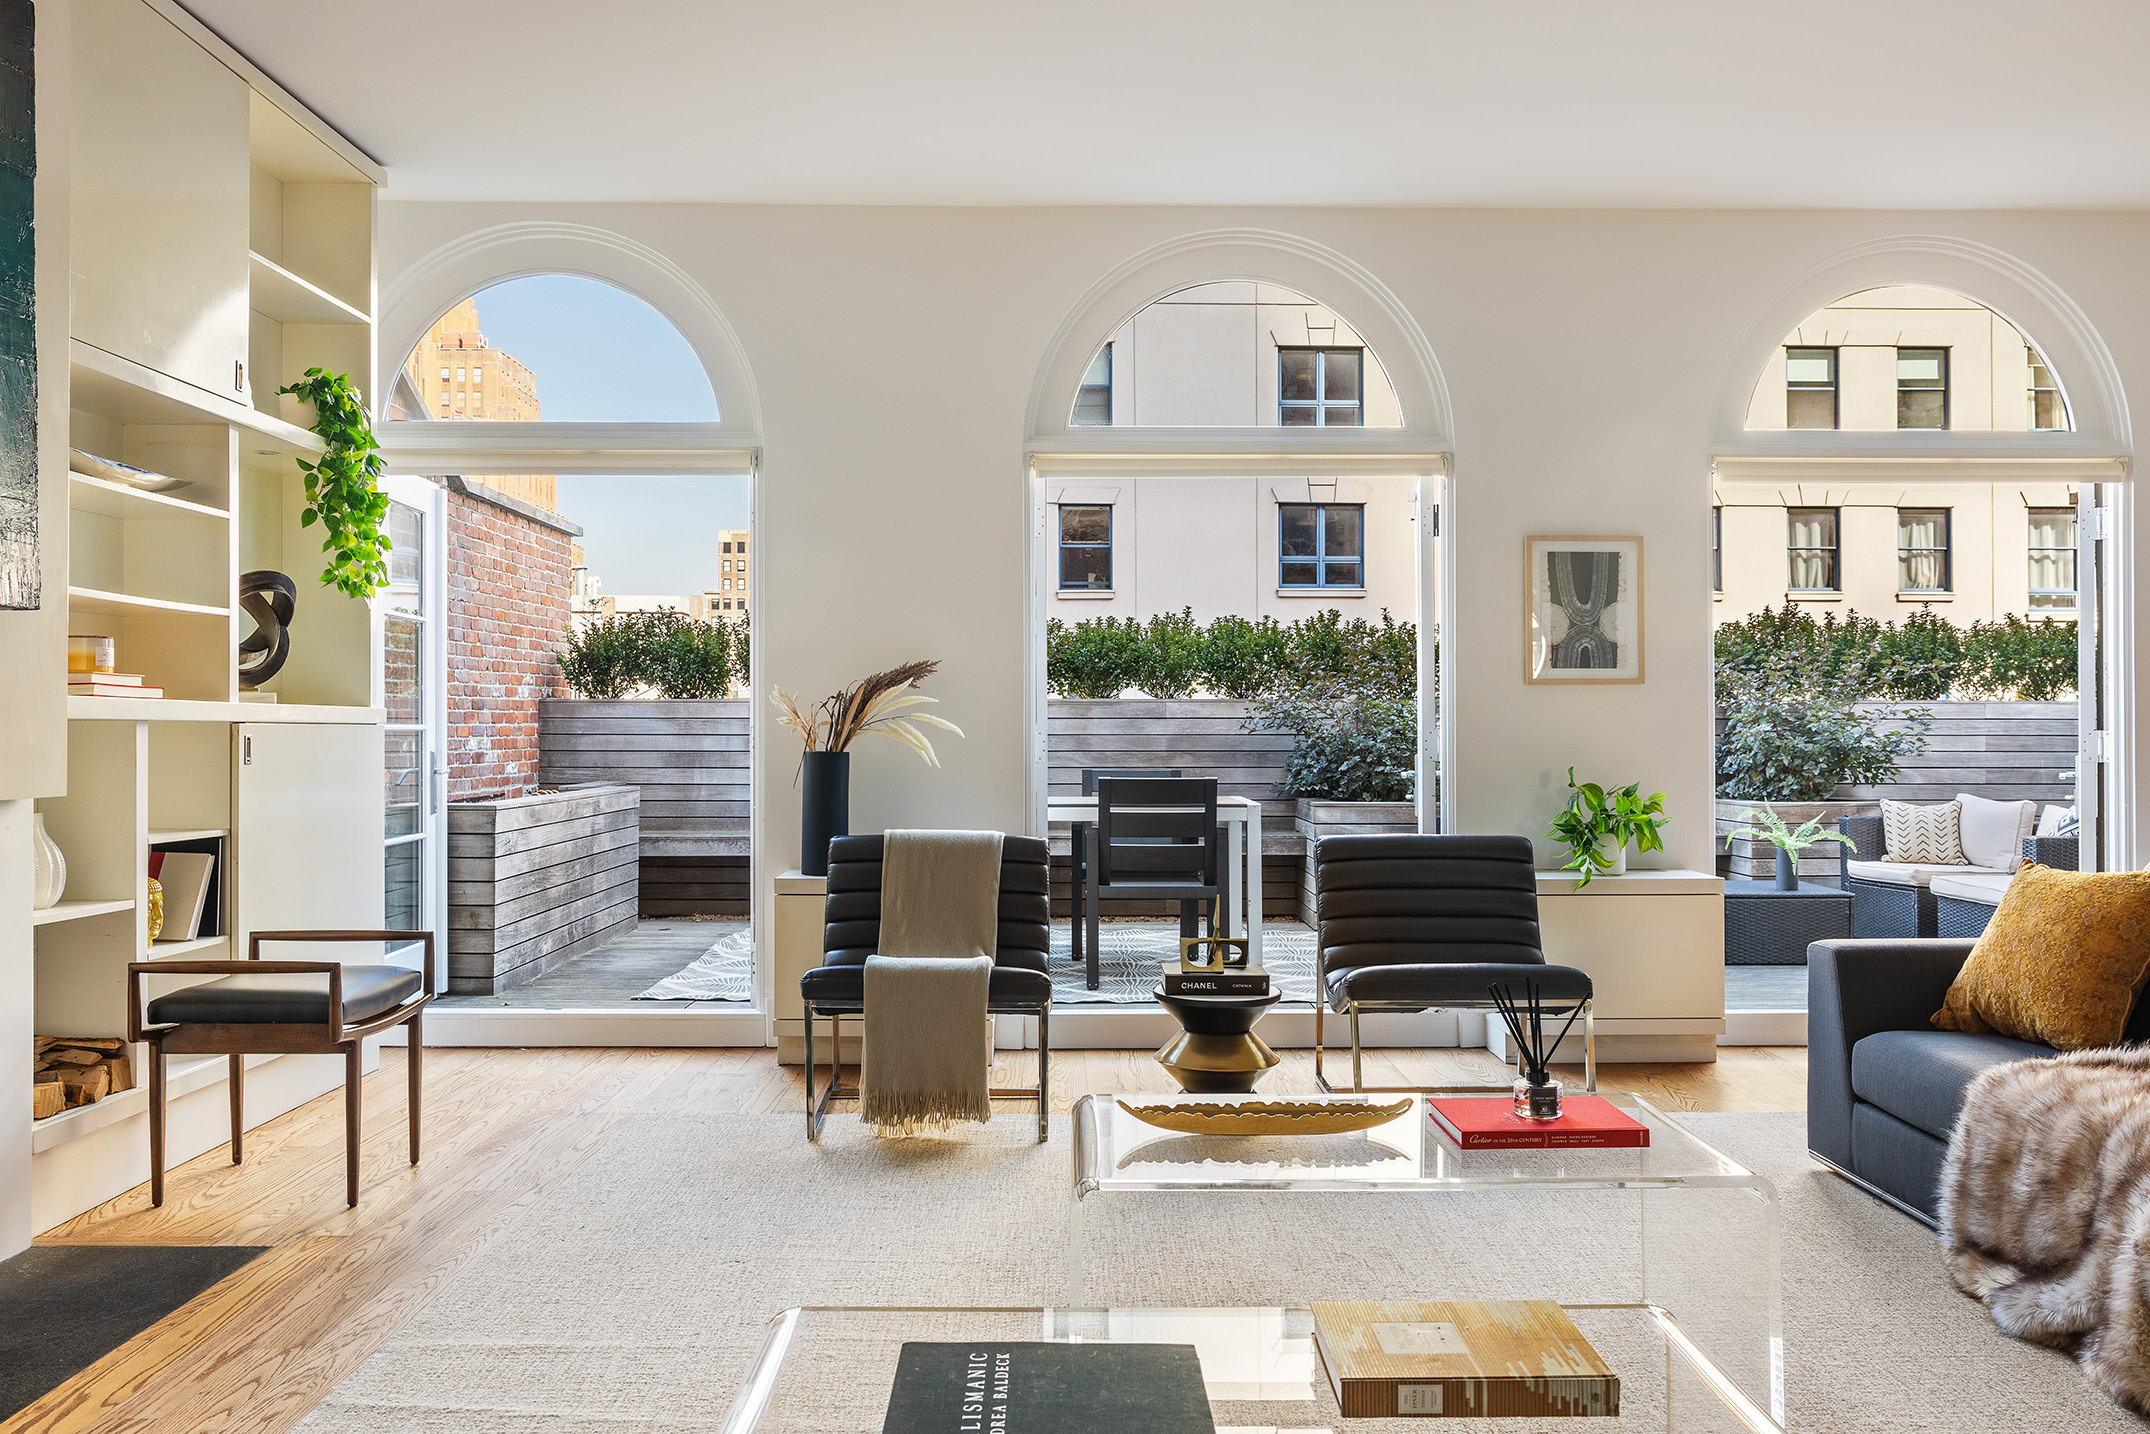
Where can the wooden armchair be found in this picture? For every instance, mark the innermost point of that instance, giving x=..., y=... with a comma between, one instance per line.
x=279, y=1008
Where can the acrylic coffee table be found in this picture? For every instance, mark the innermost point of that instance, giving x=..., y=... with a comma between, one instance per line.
x=1679, y=1225
x=829, y=1371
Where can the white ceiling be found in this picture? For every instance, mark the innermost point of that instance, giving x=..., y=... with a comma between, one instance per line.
x=1860, y=103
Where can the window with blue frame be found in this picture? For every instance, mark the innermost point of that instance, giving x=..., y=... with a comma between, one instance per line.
x=1321, y=388
x=1085, y=547
x=1321, y=545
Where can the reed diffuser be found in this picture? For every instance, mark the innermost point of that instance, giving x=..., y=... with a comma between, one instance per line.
x=1537, y=1094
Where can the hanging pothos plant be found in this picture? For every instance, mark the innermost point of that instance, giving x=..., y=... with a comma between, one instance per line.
x=343, y=488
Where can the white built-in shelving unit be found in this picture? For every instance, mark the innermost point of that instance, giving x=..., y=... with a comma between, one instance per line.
x=222, y=243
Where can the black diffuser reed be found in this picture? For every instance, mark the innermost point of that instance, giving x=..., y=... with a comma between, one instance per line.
x=1537, y=1093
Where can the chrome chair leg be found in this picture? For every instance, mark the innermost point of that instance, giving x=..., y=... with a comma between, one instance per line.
x=1321, y=1082
x=1590, y=1049
x=1358, y=1071
x=1045, y=1065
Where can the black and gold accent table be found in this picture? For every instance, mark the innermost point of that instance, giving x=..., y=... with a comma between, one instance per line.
x=1216, y=1050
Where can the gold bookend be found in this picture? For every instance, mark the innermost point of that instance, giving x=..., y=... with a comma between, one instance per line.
x=1214, y=953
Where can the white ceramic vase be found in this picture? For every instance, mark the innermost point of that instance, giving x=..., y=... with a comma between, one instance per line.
x=49, y=876
x=1609, y=847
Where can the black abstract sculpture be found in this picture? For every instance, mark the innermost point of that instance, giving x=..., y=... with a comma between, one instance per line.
x=268, y=598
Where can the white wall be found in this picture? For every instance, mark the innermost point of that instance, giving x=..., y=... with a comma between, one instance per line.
x=893, y=523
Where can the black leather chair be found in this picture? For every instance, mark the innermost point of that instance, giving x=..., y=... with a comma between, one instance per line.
x=1418, y=923
x=281, y=1008
x=1018, y=985
x=1079, y=848
x=1156, y=839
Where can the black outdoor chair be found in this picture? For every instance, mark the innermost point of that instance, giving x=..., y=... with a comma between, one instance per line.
x=1157, y=839
x=1079, y=848
x=1418, y=923
x=1018, y=985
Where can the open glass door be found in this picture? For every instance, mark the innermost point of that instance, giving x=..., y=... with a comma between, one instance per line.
x=413, y=659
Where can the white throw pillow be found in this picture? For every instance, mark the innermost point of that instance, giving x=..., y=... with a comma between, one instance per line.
x=1991, y=833
x=2055, y=821
x=1924, y=832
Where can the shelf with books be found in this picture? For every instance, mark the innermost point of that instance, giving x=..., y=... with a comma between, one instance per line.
x=135, y=709
x=165, y=836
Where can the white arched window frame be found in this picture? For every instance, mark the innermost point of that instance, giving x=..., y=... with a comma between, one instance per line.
x=1421, y=447
x=2096, y=455
x=730, y=447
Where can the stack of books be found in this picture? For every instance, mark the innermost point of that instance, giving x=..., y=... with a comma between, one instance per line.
x=1499, y=1359
x=190, y=894
x=110, y=684
x=1231, y=981
x=1585, y=1122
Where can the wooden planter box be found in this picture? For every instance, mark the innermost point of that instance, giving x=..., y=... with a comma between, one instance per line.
x=1316, y=819
x=533, y=882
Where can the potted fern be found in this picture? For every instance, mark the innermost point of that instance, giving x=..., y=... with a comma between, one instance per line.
x=1765, y=825
x=1599, y=823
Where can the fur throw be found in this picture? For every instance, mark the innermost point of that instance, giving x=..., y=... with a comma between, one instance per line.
x=2045, y=1208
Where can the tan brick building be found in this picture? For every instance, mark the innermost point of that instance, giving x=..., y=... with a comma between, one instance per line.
x=456, y=374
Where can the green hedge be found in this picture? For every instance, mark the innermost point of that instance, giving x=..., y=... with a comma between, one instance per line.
x=1924, y=658
x=629, y=653
x=1173, y=656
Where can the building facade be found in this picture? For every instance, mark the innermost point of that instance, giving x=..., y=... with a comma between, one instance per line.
x=1234, y=355
x=455, y=374
x=1889, y=360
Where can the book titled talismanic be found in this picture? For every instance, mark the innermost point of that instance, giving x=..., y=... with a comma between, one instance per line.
x=993, y=1386
x=1585, y=1122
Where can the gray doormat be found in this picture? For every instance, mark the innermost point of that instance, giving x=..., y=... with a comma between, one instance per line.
x=64, y=1307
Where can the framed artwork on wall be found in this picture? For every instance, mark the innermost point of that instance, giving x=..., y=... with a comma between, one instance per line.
x=1584, y=600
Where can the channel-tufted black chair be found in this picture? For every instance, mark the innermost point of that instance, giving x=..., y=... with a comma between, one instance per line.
x=1418, y=923
x=1018, y=986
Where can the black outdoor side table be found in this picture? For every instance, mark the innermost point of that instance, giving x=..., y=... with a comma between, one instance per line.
x=1767, y=927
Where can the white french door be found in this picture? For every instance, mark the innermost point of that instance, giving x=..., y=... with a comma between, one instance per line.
x=414, y=686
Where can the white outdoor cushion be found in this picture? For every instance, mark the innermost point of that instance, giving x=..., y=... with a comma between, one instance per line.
x=1927, y=832
x=1986, y=890
x=2052, y=819
x=1912, y=873
x=1991, y=832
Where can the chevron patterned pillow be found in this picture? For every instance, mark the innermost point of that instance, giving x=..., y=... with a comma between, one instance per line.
x=1928, y=832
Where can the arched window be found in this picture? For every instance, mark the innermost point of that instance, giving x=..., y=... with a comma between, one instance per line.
x=1236, y=354
x=1908, y=359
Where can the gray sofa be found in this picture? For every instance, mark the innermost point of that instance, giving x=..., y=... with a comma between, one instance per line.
x=1883, y=1086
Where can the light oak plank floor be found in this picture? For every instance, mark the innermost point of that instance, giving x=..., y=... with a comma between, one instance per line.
x=256, y=1353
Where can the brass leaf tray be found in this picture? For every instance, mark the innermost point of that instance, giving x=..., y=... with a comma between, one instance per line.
x=1269, y=1117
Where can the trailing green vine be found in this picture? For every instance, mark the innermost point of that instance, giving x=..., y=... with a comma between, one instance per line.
x=343, y=489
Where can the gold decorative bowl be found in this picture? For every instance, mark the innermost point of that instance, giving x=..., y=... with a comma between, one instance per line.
x=1269, y=1117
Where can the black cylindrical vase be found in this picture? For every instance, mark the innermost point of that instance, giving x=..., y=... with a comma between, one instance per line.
x=824, y=808
x=1787, y=871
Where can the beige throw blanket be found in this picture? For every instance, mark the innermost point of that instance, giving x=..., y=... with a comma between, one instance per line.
x=2045, y=1209
x=928, y=1037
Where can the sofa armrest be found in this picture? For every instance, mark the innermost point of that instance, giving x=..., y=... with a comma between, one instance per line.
x=2062, y=853
x=1854, y=989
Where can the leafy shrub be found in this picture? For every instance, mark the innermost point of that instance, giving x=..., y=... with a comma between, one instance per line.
x=1793, y=741
x=627, y=653
x=2031, y=661
x=1240, y=659
x=1171, y=655
x=1100, y=657
x=1353, y=745
x=1923, y=659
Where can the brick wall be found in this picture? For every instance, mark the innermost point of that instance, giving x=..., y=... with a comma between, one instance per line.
x=507, y=610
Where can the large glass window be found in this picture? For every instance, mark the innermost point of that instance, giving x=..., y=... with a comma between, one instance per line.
x=1321, y=545
x=1809, y=388
x=1922, y=557
x=1922, y=388
x=1086, y=547
x=1320, y=387
x=2052, y=548
x=1813, y=549
x=1093, y=401
x=2048, y=409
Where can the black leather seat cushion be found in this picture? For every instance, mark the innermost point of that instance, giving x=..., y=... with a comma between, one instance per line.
x=1919, y=1076
x=1008, y=987
x=288, y=998
x=853, y=921
x=1454, y=983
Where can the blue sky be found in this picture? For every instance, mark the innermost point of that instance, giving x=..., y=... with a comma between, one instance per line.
x=601, y=355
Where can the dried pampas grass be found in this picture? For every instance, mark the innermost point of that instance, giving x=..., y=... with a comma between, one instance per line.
x=881, y=705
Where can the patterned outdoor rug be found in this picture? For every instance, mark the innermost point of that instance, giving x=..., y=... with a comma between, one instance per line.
x=1132, y=955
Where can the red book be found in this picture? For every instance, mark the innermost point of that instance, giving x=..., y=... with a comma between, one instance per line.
x=1586, y=1122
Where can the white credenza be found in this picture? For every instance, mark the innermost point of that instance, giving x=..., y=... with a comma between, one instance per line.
x=1653, y=943
x=800, y=900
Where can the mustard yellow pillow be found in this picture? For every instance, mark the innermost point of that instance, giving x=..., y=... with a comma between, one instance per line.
x=2061, y=961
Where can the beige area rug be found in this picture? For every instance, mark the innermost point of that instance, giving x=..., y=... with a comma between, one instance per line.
x=634, y=1294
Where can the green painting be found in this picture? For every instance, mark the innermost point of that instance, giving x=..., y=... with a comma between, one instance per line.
x=21, y=575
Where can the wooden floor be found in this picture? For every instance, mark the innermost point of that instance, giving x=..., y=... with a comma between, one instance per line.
x=258, y=1351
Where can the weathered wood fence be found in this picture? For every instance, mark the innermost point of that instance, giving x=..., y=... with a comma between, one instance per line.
x=536, y=881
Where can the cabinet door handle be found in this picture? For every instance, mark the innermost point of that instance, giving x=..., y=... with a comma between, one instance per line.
x=246, y=751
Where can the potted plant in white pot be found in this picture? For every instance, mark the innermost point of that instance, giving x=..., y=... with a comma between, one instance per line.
x=1765, y=825
x=1600, y=823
